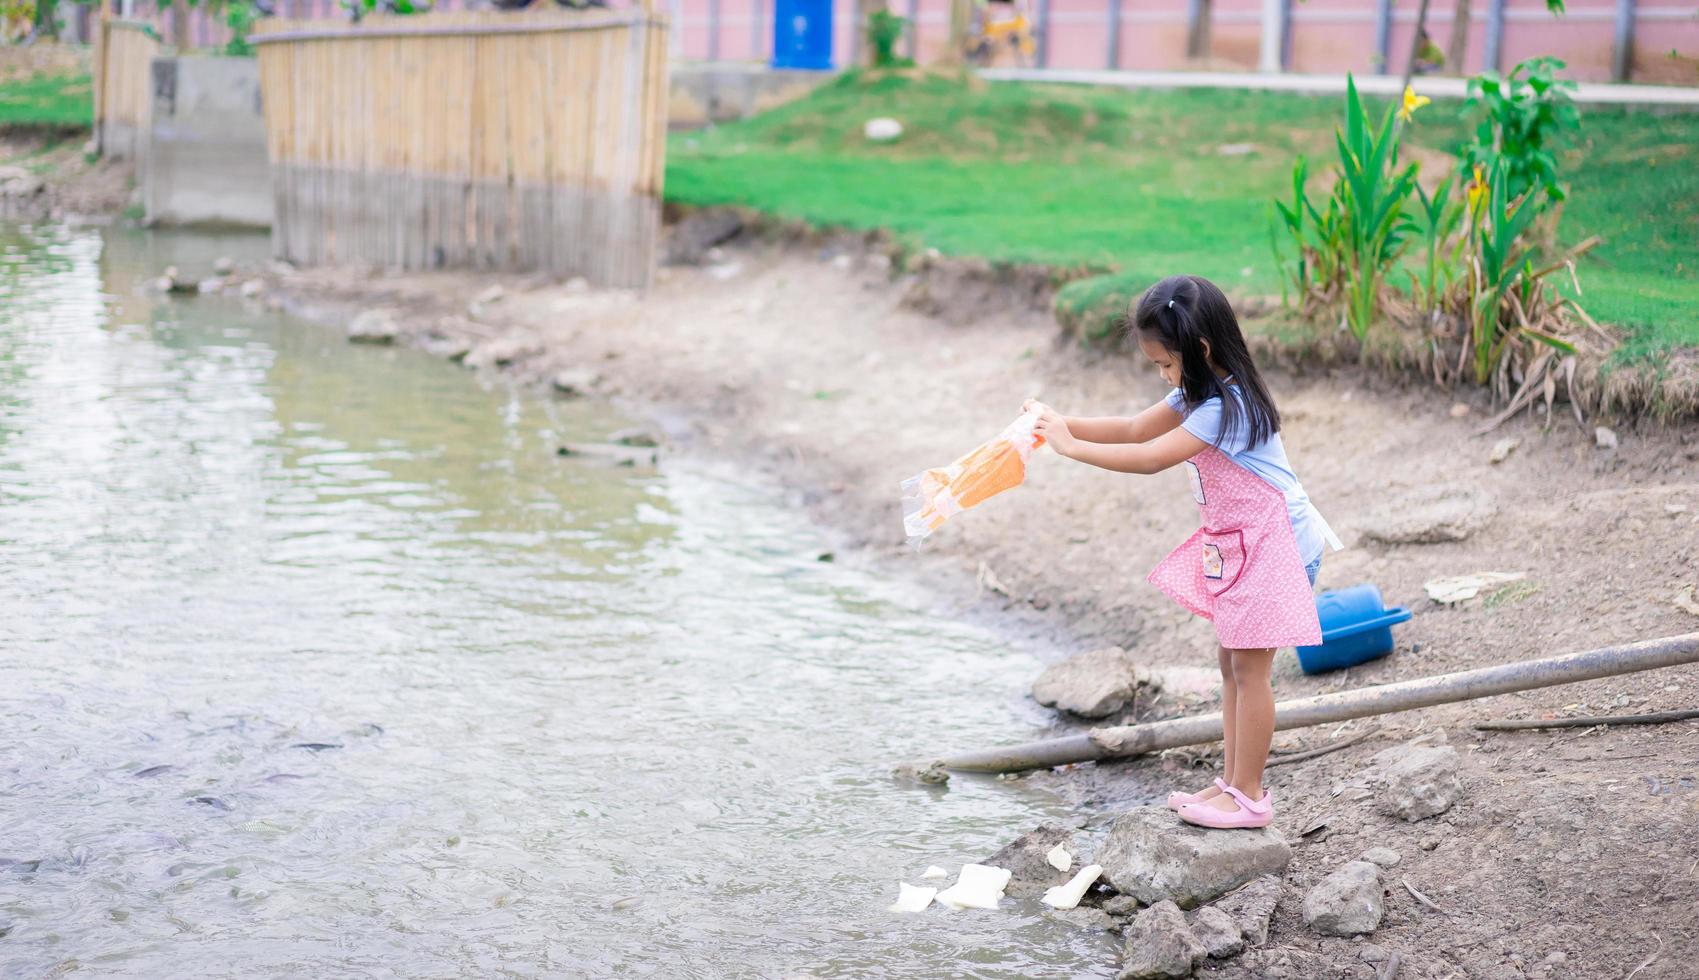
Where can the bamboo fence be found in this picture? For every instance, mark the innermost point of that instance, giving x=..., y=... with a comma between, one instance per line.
x=519, y=141
x=123, y=85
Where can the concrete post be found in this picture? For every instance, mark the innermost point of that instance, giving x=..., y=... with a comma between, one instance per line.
x=1197, y=28
x=1622, y=49
x=1272, y=56
x=1114, y=33
x=1495, y=36
x=1383, y=35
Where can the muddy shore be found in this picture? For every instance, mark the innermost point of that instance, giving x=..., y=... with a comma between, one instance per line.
x=1573, y=853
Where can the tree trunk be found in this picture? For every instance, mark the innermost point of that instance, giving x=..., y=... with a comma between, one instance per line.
x=180, y=24
x=1458, y=46
x=1416, y=43
x=961, y=20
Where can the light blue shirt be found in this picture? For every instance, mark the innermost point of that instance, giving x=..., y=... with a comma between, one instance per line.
x=1267, y=459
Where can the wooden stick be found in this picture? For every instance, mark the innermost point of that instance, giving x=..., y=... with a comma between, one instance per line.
x=1425, y=900
x=1519, y=724
x=1390, y=970
x=1281, y=760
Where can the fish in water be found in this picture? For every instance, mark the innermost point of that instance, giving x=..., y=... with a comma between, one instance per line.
x=282, y=777
x=152, y=771
x=19, y=865
x=316, y=746
x=214, y=802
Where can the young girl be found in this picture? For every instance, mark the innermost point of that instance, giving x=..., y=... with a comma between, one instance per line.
x=1252, y=567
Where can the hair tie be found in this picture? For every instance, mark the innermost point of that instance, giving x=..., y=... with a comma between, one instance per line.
x=1170, y=304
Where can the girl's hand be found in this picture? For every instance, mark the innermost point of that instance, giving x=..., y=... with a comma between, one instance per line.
x=1033, y=404
x=1054, y=428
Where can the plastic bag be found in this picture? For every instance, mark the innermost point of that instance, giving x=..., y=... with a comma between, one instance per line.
x=935, y=496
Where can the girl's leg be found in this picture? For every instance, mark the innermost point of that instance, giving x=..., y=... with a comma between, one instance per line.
x=1229, y=713
x=1229, y=700
x=1252, y=728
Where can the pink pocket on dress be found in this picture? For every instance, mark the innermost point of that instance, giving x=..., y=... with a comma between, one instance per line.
x=1223, y=558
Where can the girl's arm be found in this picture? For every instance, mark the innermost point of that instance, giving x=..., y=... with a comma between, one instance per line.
x=1143, y=427
x=1172, y=447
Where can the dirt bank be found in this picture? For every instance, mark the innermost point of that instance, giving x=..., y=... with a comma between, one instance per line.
x=1572, y=854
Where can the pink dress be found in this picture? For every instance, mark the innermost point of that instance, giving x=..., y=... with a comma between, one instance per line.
x=1241, y=569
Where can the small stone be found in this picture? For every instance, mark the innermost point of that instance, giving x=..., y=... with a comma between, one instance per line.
x=1346, y=902
x=1384, y=857
x=882, y=129
x=842, y=263
x=1083, y=919
x=1556, y=957
x=636, y=436
x=1372, y=953
x=1160, y=944
x=578, y=284
x=1218, y=932
x=1415, y=782
x=208, y=287
x=1252, y=907
x=1459, y=410
x=1122, y=906
x=252, y=288
x=374, y=326
x=1151, y=855
x=16, y=182
x=1604, y=438
x=1236, y=149
x=223, y=265
x=1502, y=450
x=930, y=773
x=575, y=382
x=1027, y=860
x=493, y=294
x=1091, y=685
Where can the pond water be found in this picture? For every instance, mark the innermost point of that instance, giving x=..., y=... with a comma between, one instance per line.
x=317, y=660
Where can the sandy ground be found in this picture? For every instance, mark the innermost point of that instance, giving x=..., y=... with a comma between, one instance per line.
x=1574, y=853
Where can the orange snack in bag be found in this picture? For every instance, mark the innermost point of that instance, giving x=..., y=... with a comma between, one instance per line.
x=936, y=495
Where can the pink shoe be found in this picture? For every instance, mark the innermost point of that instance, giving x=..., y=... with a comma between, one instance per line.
x=1249, y=814
x=1176, y=800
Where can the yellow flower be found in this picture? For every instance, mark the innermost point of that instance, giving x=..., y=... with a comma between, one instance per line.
x=1412, y=102
x=1476, y=188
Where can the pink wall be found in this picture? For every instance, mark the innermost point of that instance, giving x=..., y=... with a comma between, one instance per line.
x=1327, y=36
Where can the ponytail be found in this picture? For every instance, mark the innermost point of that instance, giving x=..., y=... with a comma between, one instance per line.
x=1186, y=313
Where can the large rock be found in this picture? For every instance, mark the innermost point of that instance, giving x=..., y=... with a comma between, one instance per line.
x=1160, y=944
x=17, y=182
x=1429, y=515
x=1252, y=907
x=374, y=326
x=1030, y=873
x=1091, y=685
x=1217, y=932
x=1415, y=781
x=1153, y=856
x=1346, y=902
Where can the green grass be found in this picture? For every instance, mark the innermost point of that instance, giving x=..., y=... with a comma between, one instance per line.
x=64, y=101
x=1138, y=181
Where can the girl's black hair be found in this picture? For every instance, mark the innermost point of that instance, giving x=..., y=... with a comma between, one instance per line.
x=1183, y=313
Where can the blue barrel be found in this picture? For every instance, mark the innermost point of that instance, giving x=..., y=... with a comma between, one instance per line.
x=1356, y=627
x=802, y=34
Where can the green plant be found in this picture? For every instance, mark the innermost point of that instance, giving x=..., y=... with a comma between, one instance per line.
x=1372, y=192
x=1440, y=217
x=239, y=16
x=884, y=30
x=1521, y=118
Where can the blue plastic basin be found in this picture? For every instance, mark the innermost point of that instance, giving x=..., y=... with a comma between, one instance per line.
x=1356, y=627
